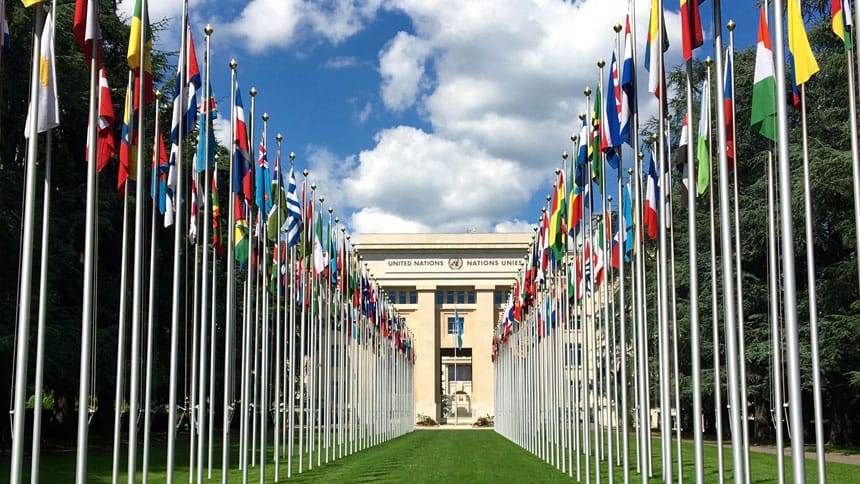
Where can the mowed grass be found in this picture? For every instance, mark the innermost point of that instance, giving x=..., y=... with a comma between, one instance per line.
x=428, y=456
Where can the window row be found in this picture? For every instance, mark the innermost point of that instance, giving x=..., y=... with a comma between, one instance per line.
x=455, y=296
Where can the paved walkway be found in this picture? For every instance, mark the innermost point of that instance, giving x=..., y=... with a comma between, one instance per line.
x=853, y=459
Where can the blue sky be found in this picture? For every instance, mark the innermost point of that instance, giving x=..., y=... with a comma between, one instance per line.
x=416, y=116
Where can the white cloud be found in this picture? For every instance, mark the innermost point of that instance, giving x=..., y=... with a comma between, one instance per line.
x=373, y=220
x=514, y=226
x=401, y=64
x=434, y=183
x=222, y=130
x=263, y=23
x=364, y=113
x=342, y=62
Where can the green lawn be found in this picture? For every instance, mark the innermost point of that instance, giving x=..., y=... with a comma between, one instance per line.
x=429, y=456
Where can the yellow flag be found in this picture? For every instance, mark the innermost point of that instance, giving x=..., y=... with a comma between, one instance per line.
x=804, y=62
x=30, y=3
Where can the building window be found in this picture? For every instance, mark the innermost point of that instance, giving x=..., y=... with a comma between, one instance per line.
x=440, y=297
x=460, y=372
x=452, y=325
x=449, y=297
x=499, y=297
x=461, y=297
x=401, y=297
x=413, y=297
x=470, y=297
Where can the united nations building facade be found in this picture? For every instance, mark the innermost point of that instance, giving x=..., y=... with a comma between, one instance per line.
x=433, y=279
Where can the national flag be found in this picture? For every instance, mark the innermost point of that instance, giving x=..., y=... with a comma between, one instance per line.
x=729, y=109
x=128, y=143
x=104, y=123
x=160, y=167
x=558, y=219
x=628, y=74
x=194, y=206
x=217, y=238
x=293, y=225
x=241, y=153
x=47, y=107
x=763, y=111
x=320, y=255
x=596, y=135
x=195, y=83
x=804, y=61
x=681, y=160
x=691, y=27
x=581, y=176
x=702, y=154
x=611, y=127
x=263, y=195
x=655, y=24
x=185, y=112
x=170, y=187
x=651, y=197
x=240, y=231
x=795, y=92
x=206, y=149
x=86, y=27
x=458, y=321
x=840, y=20
x=599, y=251
x=140, y=44
x=5, y=38
x=30, y=3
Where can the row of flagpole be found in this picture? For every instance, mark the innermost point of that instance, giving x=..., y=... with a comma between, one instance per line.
x=571, y=328
x=300, y=283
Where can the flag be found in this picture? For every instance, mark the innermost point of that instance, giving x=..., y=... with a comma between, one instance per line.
x=599, y=252
x=185, y=111
x=217, y=239
x=293, y=225
x=30, y=3
x=804, y=61
x=320, y=256
x=651, y=197
x=655, y=75
x=795, y=92
x=160, y=166
x=702, y=155
x=170, y=186
x=140, y=44
x=194, y=85
x=763, y=111
x=128, y=141
x=611, y=127
x=596, y=143
x=459, y=322
x=104, y=122
x=729, y=109
x=624, y=234
x=47, y=110
x=681, y=161
x=195, y=206
x=206, y=150
x=558, y=219
x=628, y=74
x=240, y=231
x=840, y=20
x=263, y=195
x=691, y=27
x=5, y=39
x=581, y=177
x=241, y=153
x=86, y=27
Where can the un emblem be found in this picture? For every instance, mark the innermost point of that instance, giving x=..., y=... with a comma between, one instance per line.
x=455, y=263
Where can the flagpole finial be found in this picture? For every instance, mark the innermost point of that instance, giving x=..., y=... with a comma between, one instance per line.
x=342, y=229
x=322, y=199
x=587, y=93
x=337, y=220
x=543, y=210
x=158, y=94
x=348, y=237
x=266, y=117
x=573, y=138
x=630, y=170
x=616, y=27
x=253, y=91
x=641, y=156
x=233, y=64
x=731, y=25
x=279, y=138
x=601, y=63
x=305, y=173
x=668, y=116
x=547, y=199
x=653, y=137
x=293, y=158
x=708, y=61
x=330, y=210
x=609, y=198
x=581, y=116
x=558, y=170
x=534, y=228
x=208, y=29
x=564, y=155
x=313, y=185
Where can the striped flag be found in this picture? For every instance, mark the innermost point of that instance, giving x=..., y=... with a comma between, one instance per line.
x=691, y=27
x=86, y=26
x=292, y=226
x=241, y=153
x=763, y=112
x=140, y=45
x=105, y=149
x=840, y=20
x=628, y=73
x=804, y=61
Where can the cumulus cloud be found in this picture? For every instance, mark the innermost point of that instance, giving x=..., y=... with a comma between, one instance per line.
x=514, y=226
x=401, y=65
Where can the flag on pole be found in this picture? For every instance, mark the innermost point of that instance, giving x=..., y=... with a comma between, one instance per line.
x=628, y=73
x=140, y=44
x=240, y=231
x=681, y=161
x=795, y=92
x=581, y=177
x=596, y=142
x=86, y=27
x=459, y=322
x=194, y=206
x=263, y=195
x=128, y=141
x=185, y=111
x=558, y=219
x=655, y=74
x=293, y=225
x=104, y=123
x=729, y=109
x=320, y=256
x=840, y=20
x=170, y=187
x=48, y=110
x=804, y=61
x=217, y=239
x=691, y=27
x=206, y=150
x=651, y=197
x=702, y=155
x=241, y=153
x=763, y=111
x=160, y=167
x=30, y=3
x=195, y=83
x=611, y=126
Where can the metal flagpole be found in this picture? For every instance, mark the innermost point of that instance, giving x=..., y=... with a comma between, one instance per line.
x=150, y=317
x=253, y=297
x=207, y=308
x=279, y=249
x=229, y=269
x=264, y=357
x=813, y=306
x=87, y=311
x=178, y=243
x=730, y=26
x=775, y=338
x=855, y=158
x=120, y=357
x=732, y=355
